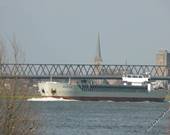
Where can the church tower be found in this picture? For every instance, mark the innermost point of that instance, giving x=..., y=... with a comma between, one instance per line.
x=98, y=58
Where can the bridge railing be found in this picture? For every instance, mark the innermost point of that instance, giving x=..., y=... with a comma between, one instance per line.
x=78, y=70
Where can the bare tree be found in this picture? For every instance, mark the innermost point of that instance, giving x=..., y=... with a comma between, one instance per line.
x=16, y=116
x=2, y=50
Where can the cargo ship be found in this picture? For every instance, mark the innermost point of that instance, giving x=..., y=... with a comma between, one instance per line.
x=132, y=88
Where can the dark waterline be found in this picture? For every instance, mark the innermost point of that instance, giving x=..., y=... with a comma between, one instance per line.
x=101, y=118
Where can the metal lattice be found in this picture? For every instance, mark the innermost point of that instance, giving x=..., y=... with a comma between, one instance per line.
x=78, y=70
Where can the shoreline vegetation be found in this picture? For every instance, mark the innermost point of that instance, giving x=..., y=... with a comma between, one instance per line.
x=16, y=116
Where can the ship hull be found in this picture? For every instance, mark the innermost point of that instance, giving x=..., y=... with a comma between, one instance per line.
x=116, y=99
x=97, y=92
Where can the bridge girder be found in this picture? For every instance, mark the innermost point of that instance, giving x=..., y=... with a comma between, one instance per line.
x=77, y=71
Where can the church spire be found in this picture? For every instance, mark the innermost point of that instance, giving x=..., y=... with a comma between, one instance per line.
x=98, y=58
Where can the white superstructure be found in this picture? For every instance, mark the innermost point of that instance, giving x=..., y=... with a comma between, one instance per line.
x=135, y=80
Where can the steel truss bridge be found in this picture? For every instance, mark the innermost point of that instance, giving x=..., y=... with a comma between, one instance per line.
x=79, y=71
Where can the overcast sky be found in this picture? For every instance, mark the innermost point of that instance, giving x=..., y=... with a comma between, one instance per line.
x=65, y=31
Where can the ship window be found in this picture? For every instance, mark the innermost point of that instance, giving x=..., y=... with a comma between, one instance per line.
x=43, y=91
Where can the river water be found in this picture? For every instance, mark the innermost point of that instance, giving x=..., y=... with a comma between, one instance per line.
x=102, y=118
